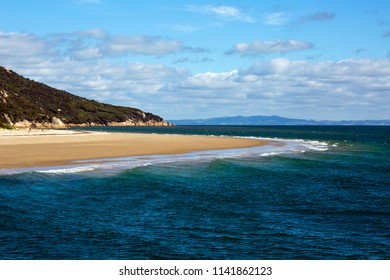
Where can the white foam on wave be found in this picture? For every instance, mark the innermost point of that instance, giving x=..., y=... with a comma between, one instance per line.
x=300, y=145
x=71, y=169
x=313, y=145
x=106, y=166
x=270, y=154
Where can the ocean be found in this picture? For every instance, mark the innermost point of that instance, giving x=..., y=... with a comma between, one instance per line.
x=324, y=194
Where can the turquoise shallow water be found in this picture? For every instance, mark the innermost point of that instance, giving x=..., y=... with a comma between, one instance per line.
x=325, y=195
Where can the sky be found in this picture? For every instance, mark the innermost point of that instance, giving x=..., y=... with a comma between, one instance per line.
x=322, y=60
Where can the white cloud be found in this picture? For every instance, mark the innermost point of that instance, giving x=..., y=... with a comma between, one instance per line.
x=97, y=43
x=223, y=12
x=76, y=62
x=89, y=44
x=278, y=18
x=23, y=46
x=142, y=45
x=210, y=80
x=96, y=33
x=87, y=53
x=334, y=89
x=348, y=89
x=267, y=47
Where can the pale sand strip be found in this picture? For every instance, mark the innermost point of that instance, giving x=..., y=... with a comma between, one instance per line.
x=55, y=150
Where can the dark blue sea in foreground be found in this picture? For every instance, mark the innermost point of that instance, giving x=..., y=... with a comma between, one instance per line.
x=325, y=195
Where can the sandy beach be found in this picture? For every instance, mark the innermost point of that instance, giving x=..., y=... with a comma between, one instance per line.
x=23, y=148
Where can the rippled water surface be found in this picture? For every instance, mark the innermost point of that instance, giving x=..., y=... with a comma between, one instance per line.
x=323, y=195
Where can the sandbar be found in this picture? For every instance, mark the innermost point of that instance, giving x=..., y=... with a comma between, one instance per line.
x=24, y=149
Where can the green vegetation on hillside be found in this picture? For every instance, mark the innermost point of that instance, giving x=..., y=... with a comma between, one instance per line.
x=24, y=99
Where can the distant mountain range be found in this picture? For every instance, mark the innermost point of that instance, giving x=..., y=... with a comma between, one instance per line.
x=272, y=120
x=26, y=103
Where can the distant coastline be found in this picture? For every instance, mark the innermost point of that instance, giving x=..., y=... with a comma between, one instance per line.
x=273, y=120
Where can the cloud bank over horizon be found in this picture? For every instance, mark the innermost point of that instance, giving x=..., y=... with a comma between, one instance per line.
x=184, y=76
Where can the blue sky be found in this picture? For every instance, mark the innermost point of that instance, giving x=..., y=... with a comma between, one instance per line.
x=200, y=59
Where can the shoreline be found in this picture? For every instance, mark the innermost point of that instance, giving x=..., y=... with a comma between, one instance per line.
x=23, y=149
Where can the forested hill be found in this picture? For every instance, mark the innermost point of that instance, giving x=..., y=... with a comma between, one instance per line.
x=26, y=103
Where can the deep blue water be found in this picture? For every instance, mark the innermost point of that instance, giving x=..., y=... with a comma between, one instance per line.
x=328, y=199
